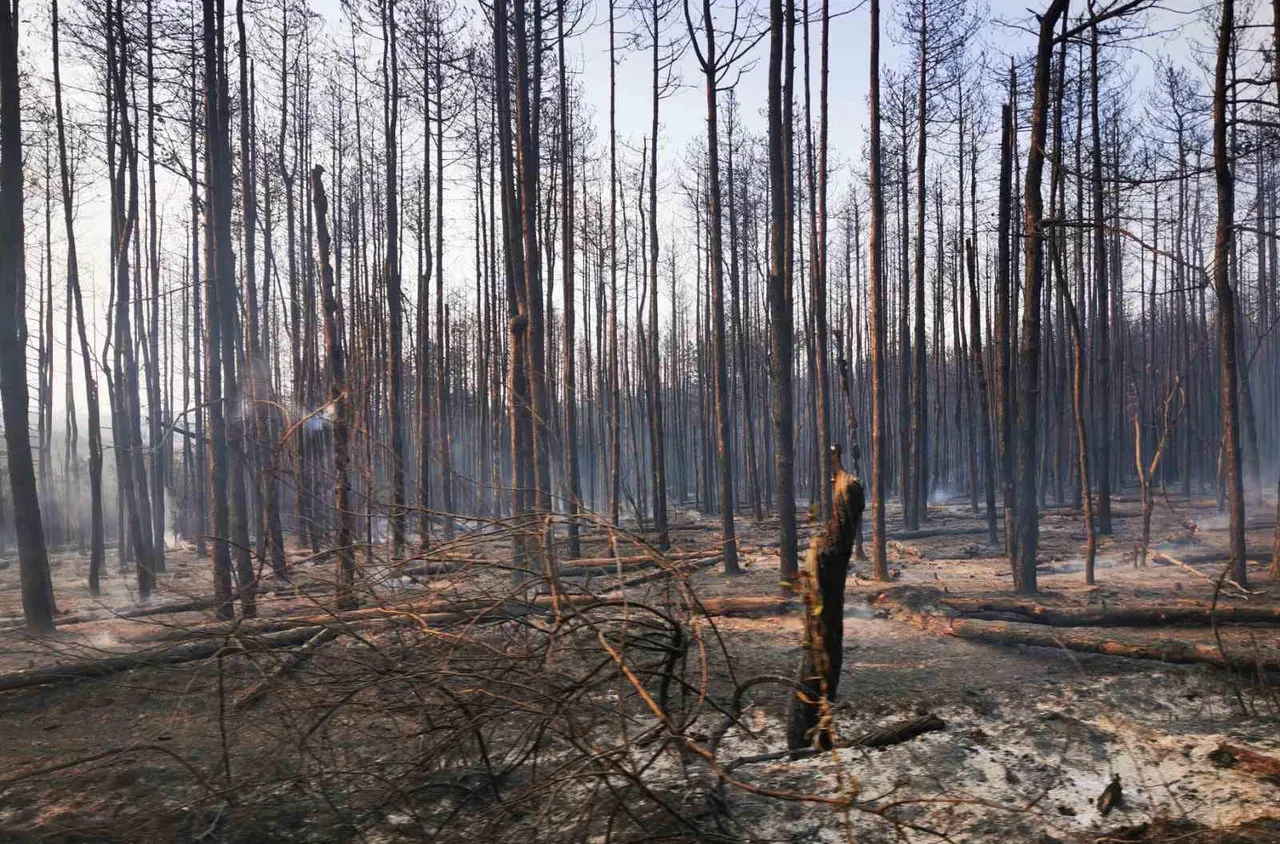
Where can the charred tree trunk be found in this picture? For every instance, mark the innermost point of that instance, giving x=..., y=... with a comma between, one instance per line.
x=346, y=568
x=1224, y=243
x=780, y=301
x=1102, y=384
x=826, y=569
x=877, y=317
x=391, y=275
x=33, y=560
x=97, y=526
x=567, y=249
x=984, y=423
x=1024, y=563
x=710, y=60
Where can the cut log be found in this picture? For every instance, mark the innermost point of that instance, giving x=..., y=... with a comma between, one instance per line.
x=924, y=607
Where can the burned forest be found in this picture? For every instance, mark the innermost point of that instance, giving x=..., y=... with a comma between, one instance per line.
x=614, y=422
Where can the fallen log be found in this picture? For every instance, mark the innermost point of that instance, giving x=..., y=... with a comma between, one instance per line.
x=169, y=655
x=900, y=732
x=240, y=639
x=1235, y=756
x=683, y=569
x=923, y=607
x=882, y=737
x=439, y=568
x=605, y=568
x=637, y=559
x=247, y=636
x=928, y=533
x=747, y=606
x=1198, y=615
x=104, y=614
x=579, y=568
x=192, y=605
x=1253, y=555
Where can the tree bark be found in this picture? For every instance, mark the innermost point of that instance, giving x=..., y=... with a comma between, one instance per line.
x=1224, y=243
x=1024, y=563
x=827, y=566
x=346, y=568
x=780, y=301
x=33, y=560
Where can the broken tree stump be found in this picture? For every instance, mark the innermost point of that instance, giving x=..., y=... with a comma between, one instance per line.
x=826, y=568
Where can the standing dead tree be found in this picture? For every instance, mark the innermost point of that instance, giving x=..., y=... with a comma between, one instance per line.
x=332, y=306
x=33, y=559
x=715, y=63
x=878, y=318
x=781, y=228
x=1024, y=563
x=1228, y=344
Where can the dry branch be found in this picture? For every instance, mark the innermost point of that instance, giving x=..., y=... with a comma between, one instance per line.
x=293, y=661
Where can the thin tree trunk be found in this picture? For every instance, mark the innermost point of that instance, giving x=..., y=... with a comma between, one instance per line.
x=97, y=528
x=1227, y=342
x=346, y=569
x=780, y=303
x=877, y=317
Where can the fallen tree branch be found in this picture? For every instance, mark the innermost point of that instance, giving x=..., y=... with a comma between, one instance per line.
x=295, y=660
x=312, y=630
x=1162, y=556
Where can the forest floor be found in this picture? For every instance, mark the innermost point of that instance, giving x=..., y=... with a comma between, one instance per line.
x=1032, y=738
